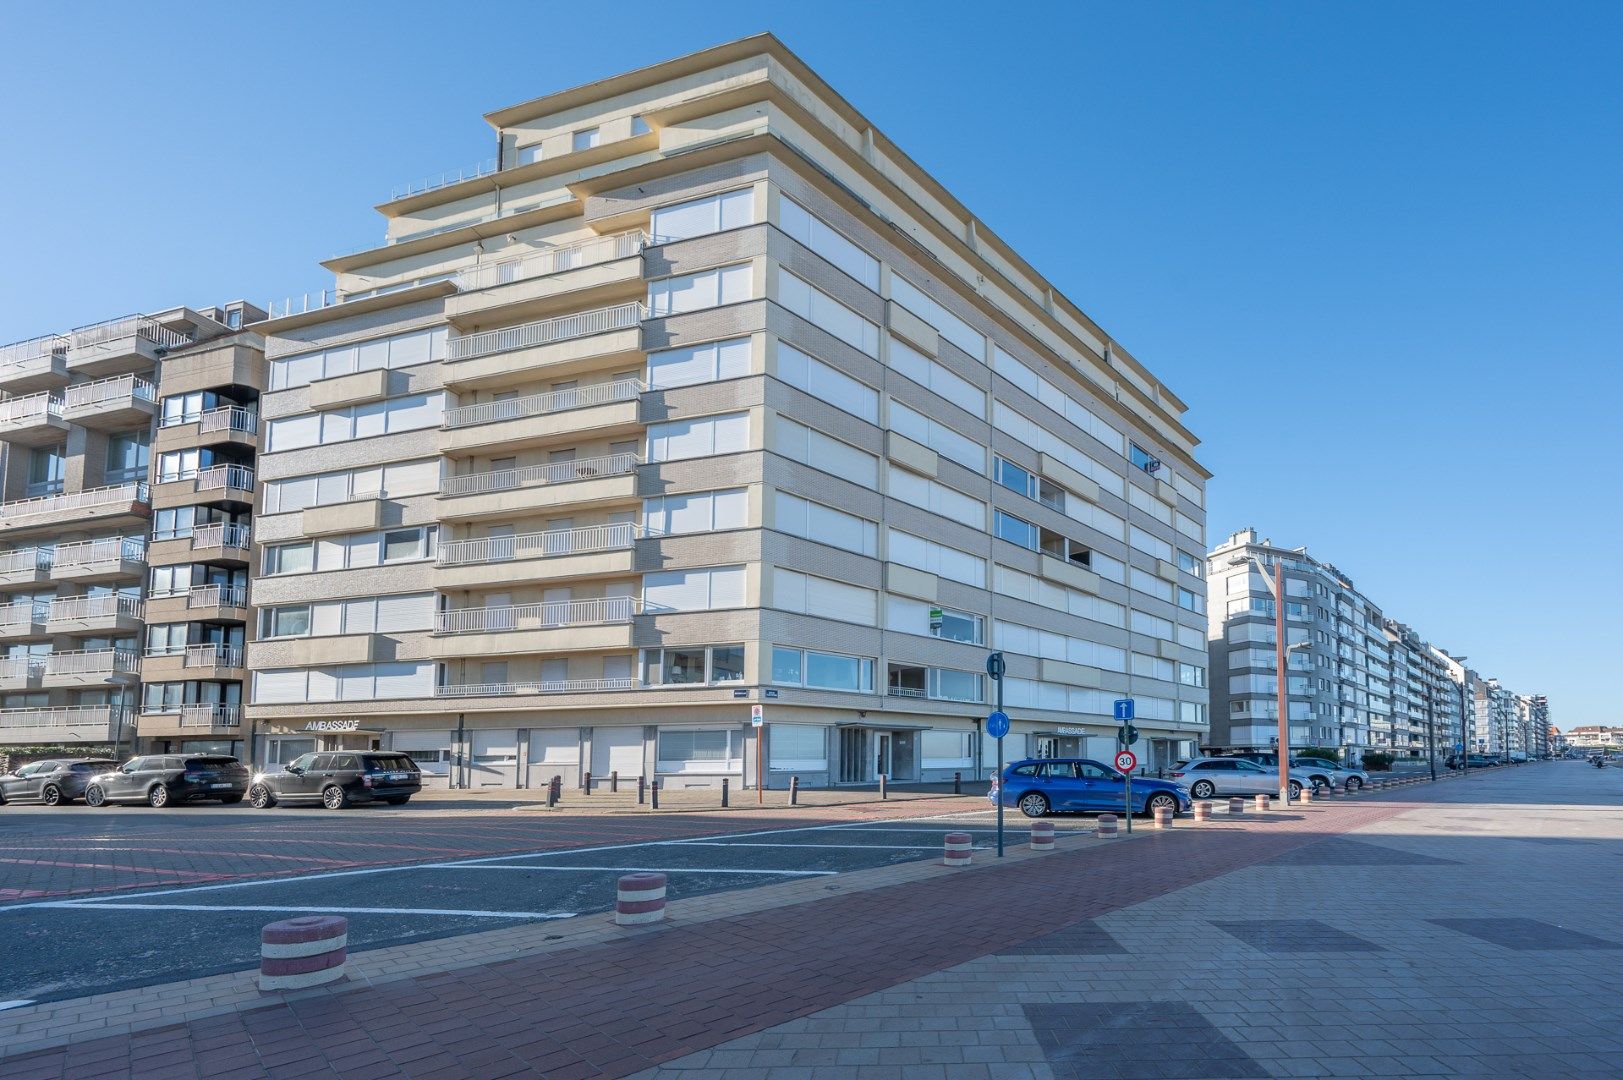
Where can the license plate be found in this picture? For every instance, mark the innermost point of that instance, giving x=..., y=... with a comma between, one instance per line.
x=399, y=776
x=219, y=785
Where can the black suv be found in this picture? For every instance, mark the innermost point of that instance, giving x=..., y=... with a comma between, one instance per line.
x=339, y=779
x=53, y=781
x=171, y=779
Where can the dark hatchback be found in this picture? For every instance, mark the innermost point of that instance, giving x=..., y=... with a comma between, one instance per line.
x=53, y=781
x=340, y=778
x=171, y=779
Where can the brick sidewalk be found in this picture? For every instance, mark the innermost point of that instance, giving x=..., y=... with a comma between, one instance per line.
x=640, y=998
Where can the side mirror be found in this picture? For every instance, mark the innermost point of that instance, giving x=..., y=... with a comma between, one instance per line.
x=295, y=770
x=126, y=769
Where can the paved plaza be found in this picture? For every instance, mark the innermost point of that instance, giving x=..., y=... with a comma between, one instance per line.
x=1467, y=927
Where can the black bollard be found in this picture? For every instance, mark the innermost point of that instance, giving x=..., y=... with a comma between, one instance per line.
x=794, y=791
x=884, y=789
x=642, y=785
x=654, y=792
x=588, y=784
x=614, y=782
x=723, y=791
x=957, y=783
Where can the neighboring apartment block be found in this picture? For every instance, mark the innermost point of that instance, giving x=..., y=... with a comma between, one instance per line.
x=88, y=426
x=703, y=396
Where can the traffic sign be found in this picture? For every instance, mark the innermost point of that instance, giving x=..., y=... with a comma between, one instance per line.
x=756, y=717
x=1458, y=747
x=997, y=725
x=1126, y=761
x=1126, y=736
x=1124, y=708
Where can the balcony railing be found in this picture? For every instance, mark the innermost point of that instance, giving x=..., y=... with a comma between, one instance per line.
x=38, y=351
x=444, y=179
x=62, y=716
x=21, y=667
x=225, y=477
x=553, y=260
x=208, y=596
x=112, y=605
x=26, y=613
x=543, y=616
x=104, y=391
x=31, y=409
x=109, y=550
x=558, y=472
x=90, y=498
x=211, y=716
x=617, y=536
x=553, y=686
x=547, y=331
x=212, y=655
x=24, y=560
x=94, y=662
x=557, y=401
x=228, y=418
x=130, y=326
x=221, y=535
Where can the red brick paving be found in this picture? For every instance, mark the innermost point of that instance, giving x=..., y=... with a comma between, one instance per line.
x=614, y=1009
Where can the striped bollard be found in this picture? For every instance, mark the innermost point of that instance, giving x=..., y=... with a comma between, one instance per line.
x=956, y=849
x=1307, y=794
x=298, y=953
x=1261, y=802
x=1042, y=836
x=1163, y=817
x=1106, y=827
x=1203, y=811
x=1326, y=792
x=1236, y=805
x=639, y=899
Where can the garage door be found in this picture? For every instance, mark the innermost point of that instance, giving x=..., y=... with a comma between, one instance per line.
x=617, y=749
x=495, y=759
x=554, y=752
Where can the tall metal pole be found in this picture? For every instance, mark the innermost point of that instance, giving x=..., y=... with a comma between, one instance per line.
x=998, y=678
x=1284, y=700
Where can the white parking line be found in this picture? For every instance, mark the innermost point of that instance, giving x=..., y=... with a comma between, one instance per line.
x=837, y=847
x=631, y=869
x=4, y=1005
x=322, y=910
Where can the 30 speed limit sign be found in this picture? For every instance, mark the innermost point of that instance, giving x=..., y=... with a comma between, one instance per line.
x=1126, y=761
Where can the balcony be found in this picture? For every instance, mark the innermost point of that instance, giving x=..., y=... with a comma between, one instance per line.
x=502, y=492
x=25, y=567
x=79, y=724
x=233, y=480
x=563, y=625
x=222, y=541
x=122, y=345
x=115, y=404
x=109, y=505
x=444, y=179
x=24, y=619
x=207, y=661
x=158, y=720
x=555, y=686
x=19, y=673
x=92, y=667
x=37, y=364
x=598, y=249
x=113, y=613
x=607, y=410
x=213, y=602
x=107, y=559
x=566, y=344
x=589, y=551
x=35, y=420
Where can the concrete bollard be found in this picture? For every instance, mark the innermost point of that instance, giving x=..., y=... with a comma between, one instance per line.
x=1236, y=805
x=956, y=848
x=639, y=899
x=653, y=795
x=1042, y=836
x=723, y=791
x=1261, y=802
x=1106, y=827
x=1203, y=811
x=1307, y=794
x=299, y=953
x=1163, y=817
x=794, y=791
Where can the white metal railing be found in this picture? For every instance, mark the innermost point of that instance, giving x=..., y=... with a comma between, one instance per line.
x=228, y=418
x=542, y=616
x=47, y=347
x=62, y=716
x=23, y=613
x=539, y=545
x=558, y=472
x=444, y=179
x=906, y=691
x=211, y=715
x=31, y=409
x=556, y=401
x=219, y=477
x=220, y=534
x=133, y=492
x=109, y=549
x=26, y=559
x=298, y=305
x=552, y=260
x=94, y=662
x=552, y=686
x=21, y=667
x=102, y=391
x=112, y=605
x=213, y=655
x=207, y=596
x=130, y=326
x=561, y=328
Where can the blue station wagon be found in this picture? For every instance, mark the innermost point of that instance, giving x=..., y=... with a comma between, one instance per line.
x=1038, y=786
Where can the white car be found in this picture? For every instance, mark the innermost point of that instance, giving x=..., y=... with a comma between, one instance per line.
x=1208, y=777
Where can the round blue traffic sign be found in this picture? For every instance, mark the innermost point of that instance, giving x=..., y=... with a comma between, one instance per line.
x=997, y=725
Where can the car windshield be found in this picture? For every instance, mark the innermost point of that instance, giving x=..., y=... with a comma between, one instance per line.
x=94, y=766
x=395, y=763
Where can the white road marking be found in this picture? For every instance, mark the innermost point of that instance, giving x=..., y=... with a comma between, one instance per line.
x=837, y=847
x=79, y=905
x=631, y=869
x=4, y=1005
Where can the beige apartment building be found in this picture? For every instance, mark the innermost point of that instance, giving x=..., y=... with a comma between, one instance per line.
x=86, y=417
x=704, y=396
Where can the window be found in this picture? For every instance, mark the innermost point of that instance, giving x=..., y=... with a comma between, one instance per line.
x=1149, y=543
x=361, y=615
x=935, y=497
x=412, y=413
x=350, y=682
x=1145, y=623
x=822, y=310
x=700, y=217
x=1060, y=401
x=949, y=325
x=128, y=456
x=907, y=616
x=639, y=126
x=700, y=437
x=1015, y=530
x=528, y=155
x=937, y=436
x=585, y=138
x=1012, y=422
x=946, y=749
x=823, y=597
x=693, y=665
x=1142, y=458
x=719, y=750
x=814, y=521
x=934, y=558
x=936, y=377
x=352, y=551
x=1191, y=674
x=397, y=351
x=695, y=292
x=710, y=362
x=695, y=590
x=699, y=511
x=173, y=524
x=827, y=383
x=187, y=408
x=802, y=747
x=1050, y=645
x=821, y=671
x=810, y=230
x=1146, y=582
x=811, y=447
x=324, y=489
x=1192, y=564
x=293, y=621
x=401, y=545
x=47, y=468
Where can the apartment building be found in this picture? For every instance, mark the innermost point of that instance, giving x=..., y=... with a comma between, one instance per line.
x=1425, y=703
x=1595, y=737
x=703, y=396
x=77, y=424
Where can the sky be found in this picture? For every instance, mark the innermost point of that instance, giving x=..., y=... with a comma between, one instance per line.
x=1376, y=247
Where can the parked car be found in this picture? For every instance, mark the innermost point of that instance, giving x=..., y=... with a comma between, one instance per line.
x=1475, y=761
x=171, y=779
x=340, y=779
x=1206, y=777
x=52, y=782
x=1039, y=785
x=1327, y=773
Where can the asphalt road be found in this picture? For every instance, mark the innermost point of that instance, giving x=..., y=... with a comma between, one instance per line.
x=99, y=900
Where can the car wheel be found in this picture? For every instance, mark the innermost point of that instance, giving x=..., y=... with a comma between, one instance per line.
x=398, y=800
x=1353, y=783
x=51, y=796
x=260, y=797
x=158, y=796
x=1034, y=804
x=95, y=796
x=1203, y=789
x=2, y=798
x=1159, y=800
x=230, y=800
x=334, y=797
x=1296, y=789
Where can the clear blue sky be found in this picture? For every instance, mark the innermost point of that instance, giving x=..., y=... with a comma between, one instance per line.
x=1376, y=247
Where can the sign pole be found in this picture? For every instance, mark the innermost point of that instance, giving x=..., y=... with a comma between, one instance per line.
x=758, y=722
x=998, y=726
x=1125, y=738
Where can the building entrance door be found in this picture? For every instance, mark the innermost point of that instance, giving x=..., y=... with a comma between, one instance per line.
x=854, y=755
